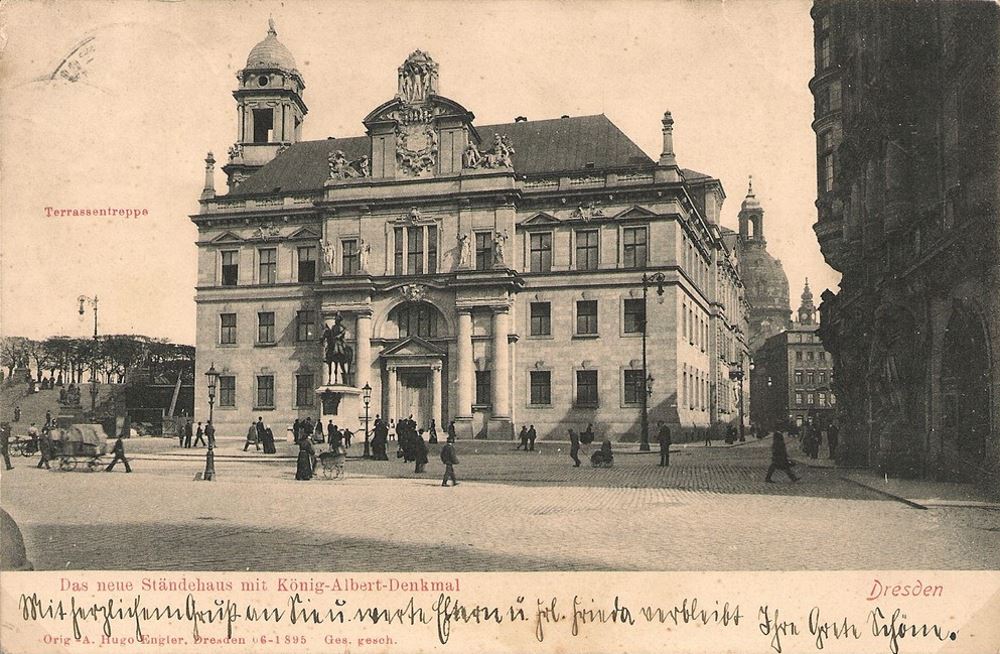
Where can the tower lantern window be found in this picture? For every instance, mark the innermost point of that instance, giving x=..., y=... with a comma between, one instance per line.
x=262, y=80
x=263, y=124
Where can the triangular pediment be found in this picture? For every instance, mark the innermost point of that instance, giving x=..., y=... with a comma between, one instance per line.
x=635, y=211
x=541, y=218
x=413, y=346
x=305, y=233
x=228, y=237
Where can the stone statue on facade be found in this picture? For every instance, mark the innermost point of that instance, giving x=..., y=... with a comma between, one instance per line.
x=464, y=250
x=329, y=255
x=336, y=353
x=499, y=243
x=364, y=252
x=471, y=157
x=236, y=151
x=342, y=168
x=498, y=156
x=418, y=78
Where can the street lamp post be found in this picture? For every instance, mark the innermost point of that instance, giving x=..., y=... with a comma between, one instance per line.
x=647, y=379
x=213, y=378
x=92, y=301
x=737, y=373
x=367, y=397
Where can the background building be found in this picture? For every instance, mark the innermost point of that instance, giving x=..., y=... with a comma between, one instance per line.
x=490, y=274
x=793, y=375
x=763, y=275
x=907, y=154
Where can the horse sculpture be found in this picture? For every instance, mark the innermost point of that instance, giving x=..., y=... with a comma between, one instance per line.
x=337, y=354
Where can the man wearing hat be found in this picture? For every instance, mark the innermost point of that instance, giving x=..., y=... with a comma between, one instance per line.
x=450, y=460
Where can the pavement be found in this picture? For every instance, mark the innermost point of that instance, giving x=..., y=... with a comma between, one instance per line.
x=512, y=510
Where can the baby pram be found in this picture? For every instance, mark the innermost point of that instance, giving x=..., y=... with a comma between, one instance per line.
x=333, y=462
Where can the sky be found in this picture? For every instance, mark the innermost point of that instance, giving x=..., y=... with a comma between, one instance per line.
x=151, y=93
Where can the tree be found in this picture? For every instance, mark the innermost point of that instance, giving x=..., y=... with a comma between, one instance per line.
x=13, y=352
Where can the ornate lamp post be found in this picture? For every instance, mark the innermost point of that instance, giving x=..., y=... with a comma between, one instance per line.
x=737, y=373
x=647, y=280
x=92, y=301
x=367, y=397
x=213, y=378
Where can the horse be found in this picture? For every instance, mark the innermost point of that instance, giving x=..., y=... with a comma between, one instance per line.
x=339, y=361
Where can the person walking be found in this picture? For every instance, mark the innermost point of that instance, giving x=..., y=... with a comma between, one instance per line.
x=188, y=434
x=532, y=435
x=779, y=459
x=663, y=437
x=44, y=448
x=523, y=437
x=451, y=431
x=269, y=441
x=199, y=435
x=180, y=435
x=5, y=445
x=432, y=432
x=348, y=435
x=574, y=448
x=119, y=450
x=332, y=435
x=210, y=435
x=833, y=439
x=380, y=441
x=251, y=437
x=306, y=460
x=450, y=460
x=419, y=451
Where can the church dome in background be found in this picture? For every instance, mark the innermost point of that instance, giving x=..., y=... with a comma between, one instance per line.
x=271, y=53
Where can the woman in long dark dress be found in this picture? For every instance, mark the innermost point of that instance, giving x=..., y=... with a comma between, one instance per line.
x=304, y=466
x=269, y=442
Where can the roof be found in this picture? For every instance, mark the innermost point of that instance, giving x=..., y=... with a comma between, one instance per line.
x=541, y=146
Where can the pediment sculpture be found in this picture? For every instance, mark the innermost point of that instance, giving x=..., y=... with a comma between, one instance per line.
x=413, y=292
x=267, y=231
x=498, y=156
x=587, y=212
x=342, y=168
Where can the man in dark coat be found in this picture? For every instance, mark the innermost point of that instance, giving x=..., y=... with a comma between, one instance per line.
x=119, y=451
x=180, y=435
x=832, y=439
x=199, y=435
x=432, y=432
x=532, y=435
x=380, y=440
x=419, y=451
x=210, y=435
x=251, y=437
x=44, y=448
x=450, y=460
x=296, y=426
x=333, y=435
x=663, y=437
x=779, y=459
x=188, y=433
x=523, y=438
x=574, y=448
x=5, y=445
x=451, y=431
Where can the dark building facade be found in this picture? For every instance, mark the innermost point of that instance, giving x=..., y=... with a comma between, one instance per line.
x=907, y=156
x=793, y=375
x=763, y=275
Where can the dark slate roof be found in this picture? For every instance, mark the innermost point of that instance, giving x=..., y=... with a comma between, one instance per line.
x=694, y=176
x=540, y=146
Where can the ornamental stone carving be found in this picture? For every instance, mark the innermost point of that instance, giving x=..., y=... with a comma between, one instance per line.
x=342, y=168
x=267, y=231
x=364, y=252
x=413, y=292
x=418, y=78
x=416, y=148
x=499, y=244
x=329, y=254
x=587, y=212
x=236, y=151
x=498, y=156
x=464, y=250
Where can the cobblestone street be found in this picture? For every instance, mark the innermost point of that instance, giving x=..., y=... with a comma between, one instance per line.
x=511, y=511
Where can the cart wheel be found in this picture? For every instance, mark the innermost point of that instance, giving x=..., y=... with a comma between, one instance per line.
x=338, y=471
x=66, y=464
x=94, y=465
x=23, y=451
x=328, y=472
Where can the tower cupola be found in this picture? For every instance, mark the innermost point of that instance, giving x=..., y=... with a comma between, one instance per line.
x=807, y=310
x=751, y=218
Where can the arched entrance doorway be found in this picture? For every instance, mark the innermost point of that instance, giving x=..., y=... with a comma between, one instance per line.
x=965, y=396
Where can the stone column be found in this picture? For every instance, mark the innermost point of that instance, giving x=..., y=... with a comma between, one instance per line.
x=466, y=381
x=436, y=395
x=363, y=350
x=501, y=364
x=391, y=409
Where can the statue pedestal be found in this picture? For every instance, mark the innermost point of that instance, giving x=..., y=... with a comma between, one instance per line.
x=342, y=405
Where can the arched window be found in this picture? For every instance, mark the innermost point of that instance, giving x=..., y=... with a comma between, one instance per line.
x=416, y=319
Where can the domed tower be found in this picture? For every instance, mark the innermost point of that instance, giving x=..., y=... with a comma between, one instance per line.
x=807, y=310
x=763, y=275
x=269, y=107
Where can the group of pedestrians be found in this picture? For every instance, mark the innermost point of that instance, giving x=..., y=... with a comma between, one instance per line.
x=187, y=431
x=411, y=443
x=260, y=434
x=527, y=438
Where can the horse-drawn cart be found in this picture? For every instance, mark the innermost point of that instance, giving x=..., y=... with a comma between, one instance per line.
x=82, y=445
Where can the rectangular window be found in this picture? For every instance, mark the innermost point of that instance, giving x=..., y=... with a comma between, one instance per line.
x=822, y=398
x=798, y=376
x=826, y=172
x=432, y=248
x=586, y=388
x=798, y=399
x=265, y=327
x=268, y=266
x=484, y=250
x=398, y=251
x=798, y=355
x=415, y=251
x=349, y=262
x=227, y=329
x=633, y=387
x=684, y=316
x=822, y=356
x=263, y=125
x=541, y=387
x=586, y=317
x=810, y=398
x=541, y=253
x=586, y=250
x=822, y=376
x=685, y=395
x=307, y=265
x=635, y=315
x=823, y=55
x=305, y=325
x=634, y=247
x=811, y=378
x=265, y=391
x=304, y=392
x=810, y=355
x=541, y=319
x=227, y=390
x=230, y=267
x=483, y=387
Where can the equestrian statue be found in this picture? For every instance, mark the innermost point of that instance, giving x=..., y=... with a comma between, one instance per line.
x=337, y=354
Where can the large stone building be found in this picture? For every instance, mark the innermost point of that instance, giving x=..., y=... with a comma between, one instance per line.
x=793, y=375
x=763, y=275
x=490, y=274
x=906, y=120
